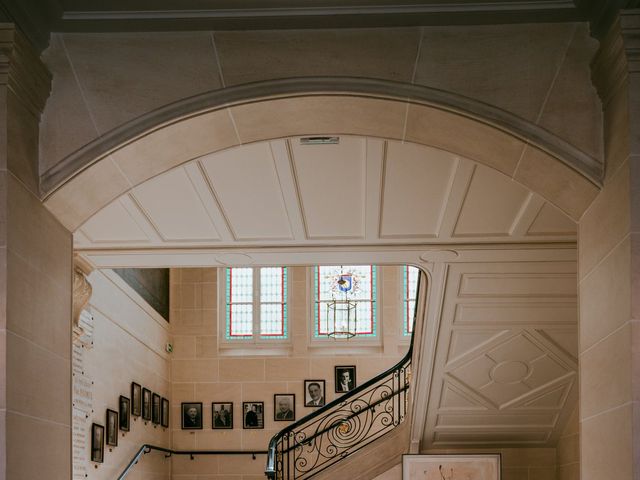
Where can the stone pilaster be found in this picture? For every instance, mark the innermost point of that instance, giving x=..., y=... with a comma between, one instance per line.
x=36, y=266
x=609, y=275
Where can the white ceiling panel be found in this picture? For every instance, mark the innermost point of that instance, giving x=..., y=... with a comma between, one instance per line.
x=417, y=182
x=114, y=224
x=174, y=207
x=331, y=183
x=499, y=372
x=551, y=221
x=492, y=205
x=246, y=183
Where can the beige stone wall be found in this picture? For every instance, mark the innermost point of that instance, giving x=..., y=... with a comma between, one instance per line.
x=568, y=450
x=129, y=341
x=608, y=281
x=36, y=339
x=103, y=80
x=202, y=373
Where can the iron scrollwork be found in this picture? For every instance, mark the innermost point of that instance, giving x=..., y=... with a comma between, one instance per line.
x=341, y=427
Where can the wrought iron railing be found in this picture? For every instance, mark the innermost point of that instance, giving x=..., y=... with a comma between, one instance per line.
x=145, y=449
x=343, y=426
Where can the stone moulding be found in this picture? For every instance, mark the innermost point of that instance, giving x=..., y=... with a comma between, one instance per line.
x=368, y=88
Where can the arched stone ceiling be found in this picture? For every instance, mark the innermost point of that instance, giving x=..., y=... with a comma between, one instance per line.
x=360, y=191
x=86, y=181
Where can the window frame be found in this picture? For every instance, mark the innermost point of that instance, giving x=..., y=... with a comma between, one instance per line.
x=404, y=299
x=358, y=341
x=254, y=339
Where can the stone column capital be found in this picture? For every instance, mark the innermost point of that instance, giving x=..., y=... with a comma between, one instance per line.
x=618, y=55
x=21, y=69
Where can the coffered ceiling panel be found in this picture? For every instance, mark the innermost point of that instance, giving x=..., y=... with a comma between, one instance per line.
x=415, y=177
x=176, y=208
x=331, y=181
x=490, y=191
x=114, y=223
x=505, y=366
x=246, y=184
x=358, y=190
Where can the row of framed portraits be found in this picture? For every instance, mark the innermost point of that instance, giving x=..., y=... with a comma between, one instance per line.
x=284, y=410
x=143, y=403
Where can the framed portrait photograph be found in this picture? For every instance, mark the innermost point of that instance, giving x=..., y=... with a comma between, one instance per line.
x=97, y=443
x=284, y=407
x=192, y=415
x=136, y=399
x=155, y=408
x=253, y=414
x=221, y=415
x=437, y=467
x=345, y=378
x=164, y=414
x=112, y=428
x=146, y=404
x=314, y=393
x=124, y=413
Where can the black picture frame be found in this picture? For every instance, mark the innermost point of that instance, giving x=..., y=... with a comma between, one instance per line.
x=146, y=404
x=124, y=412
x=252, y=415
x=191, y=415
x=349, y=382
x=280, y=411
x=155, y=409
x=97, y=443
x=112, y=428
x=222, y=415
x=164, y=413
x=309, y=400
x=136, y=399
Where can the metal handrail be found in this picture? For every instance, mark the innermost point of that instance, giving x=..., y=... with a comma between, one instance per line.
x=146, y=448
x=290, y=430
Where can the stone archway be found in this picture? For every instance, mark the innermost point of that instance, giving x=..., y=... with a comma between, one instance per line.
x=86, y=181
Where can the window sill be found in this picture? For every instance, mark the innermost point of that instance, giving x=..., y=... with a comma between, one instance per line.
x=254, y=350
x=326, y=348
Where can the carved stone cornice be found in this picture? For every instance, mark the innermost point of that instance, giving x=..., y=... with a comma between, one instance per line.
x=618, y=55
x=21, y=69
x=603, y=13
x=630, y=27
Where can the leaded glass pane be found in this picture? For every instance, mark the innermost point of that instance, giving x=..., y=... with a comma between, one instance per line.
x=268, y=308
x=410, y=275
x=362, y=292
x=271, y=319
x=241, y=320
x=271, y=285
x=241, y=285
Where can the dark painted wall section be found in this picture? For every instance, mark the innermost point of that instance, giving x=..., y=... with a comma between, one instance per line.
x=152, y=284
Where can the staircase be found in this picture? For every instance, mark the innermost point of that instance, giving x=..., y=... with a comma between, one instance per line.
x=343, y=439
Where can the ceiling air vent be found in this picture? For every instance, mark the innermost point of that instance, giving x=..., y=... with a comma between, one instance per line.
x=319, y=140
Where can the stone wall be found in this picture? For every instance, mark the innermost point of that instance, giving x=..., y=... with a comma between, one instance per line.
x=129, y=340
x=568, y=450
x=201, y=372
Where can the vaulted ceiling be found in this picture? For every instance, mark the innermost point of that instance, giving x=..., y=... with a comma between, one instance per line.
x=359, y=191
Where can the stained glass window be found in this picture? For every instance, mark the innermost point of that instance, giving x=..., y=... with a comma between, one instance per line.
x=362, y=292
x=256, y=301
x=410, y=286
